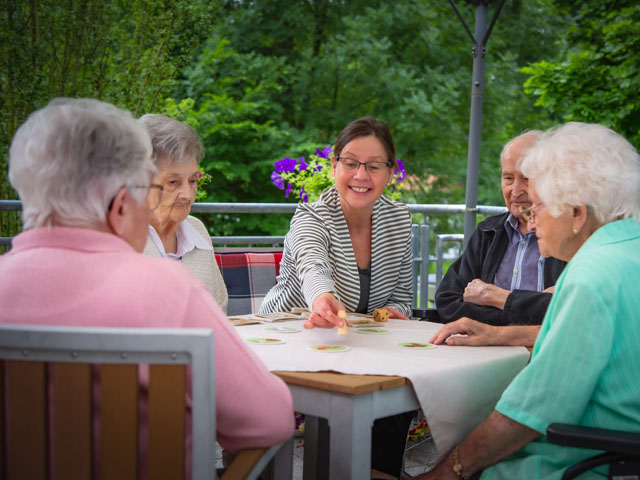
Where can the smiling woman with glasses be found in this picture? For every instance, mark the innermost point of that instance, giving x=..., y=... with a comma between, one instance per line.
x=338, y=253
x=350, y=251
x=173, y=233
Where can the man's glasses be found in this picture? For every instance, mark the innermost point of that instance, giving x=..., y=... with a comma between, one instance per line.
x=152, y=200
x=373, y=168
x=528, y=213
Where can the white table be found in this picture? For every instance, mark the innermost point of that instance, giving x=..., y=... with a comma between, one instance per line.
x=456, y=387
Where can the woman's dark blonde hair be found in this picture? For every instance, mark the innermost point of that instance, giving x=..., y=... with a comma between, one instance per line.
x=365, y=127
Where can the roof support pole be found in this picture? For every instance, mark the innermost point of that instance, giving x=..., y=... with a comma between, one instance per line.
x=477, y=94
x=475, y=125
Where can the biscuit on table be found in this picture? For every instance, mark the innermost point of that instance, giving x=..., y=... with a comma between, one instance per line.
x=381, y=314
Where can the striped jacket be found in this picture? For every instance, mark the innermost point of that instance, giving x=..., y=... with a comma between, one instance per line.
x=318, y=257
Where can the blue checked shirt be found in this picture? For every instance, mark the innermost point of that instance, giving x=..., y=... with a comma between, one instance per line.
x=522, y=266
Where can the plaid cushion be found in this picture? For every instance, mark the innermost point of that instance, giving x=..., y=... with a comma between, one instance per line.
x=248, y=277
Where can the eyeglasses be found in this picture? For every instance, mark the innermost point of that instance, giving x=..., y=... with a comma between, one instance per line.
x=528, y=212
x=373, y=168
x=175, y=182
x=153, y=201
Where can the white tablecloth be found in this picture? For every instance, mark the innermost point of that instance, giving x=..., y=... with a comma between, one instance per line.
x=457, y=387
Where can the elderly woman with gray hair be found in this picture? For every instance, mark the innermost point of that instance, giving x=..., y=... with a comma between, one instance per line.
x=83, y=169
x=584, y=183
x=173, y=233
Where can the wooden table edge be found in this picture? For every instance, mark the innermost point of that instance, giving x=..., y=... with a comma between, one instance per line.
x=348, y=384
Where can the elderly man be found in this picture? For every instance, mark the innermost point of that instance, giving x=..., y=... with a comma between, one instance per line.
x=501, y=278
x=82, y=169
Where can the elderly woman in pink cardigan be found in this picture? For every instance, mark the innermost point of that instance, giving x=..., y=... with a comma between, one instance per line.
x=83, y=169
x=173, y=233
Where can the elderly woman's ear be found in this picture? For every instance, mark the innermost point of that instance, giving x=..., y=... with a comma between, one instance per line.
x=580, y=217
x=128, y=219
x=115, y=212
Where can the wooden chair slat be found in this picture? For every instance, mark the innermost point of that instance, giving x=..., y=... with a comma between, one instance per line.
x=119, y=422
x=167, y=422
x=27, y=420
x=72, y=421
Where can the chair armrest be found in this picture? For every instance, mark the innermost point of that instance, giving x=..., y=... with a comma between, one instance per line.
x=244, y=463
x=248, y=464
x=427, y=314
x=614, y=441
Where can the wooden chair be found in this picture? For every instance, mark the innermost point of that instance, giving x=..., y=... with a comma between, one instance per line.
x=70, y=404
x=50, y=396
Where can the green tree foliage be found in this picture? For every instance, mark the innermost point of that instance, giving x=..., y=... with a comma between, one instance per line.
x=126, y=53
x=265, y=80
x=284, y=74
x=595, y=77
x=231, y=99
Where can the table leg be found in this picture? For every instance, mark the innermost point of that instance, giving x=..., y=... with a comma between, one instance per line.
x=350, y=425
x=350, y=419
x=316, y=448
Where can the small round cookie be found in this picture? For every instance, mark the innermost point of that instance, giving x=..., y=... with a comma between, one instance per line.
x=381, y=314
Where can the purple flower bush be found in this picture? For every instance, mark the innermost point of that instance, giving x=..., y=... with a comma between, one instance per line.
x=309, y=179
x=399, y=173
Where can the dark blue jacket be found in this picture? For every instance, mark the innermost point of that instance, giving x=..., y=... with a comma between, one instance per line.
x=481, y=259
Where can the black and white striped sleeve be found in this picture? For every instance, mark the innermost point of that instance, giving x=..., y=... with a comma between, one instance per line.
x=310, y=245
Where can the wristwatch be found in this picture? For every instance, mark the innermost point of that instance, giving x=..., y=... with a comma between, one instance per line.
x=457, y=466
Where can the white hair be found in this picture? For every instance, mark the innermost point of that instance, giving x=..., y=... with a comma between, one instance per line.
x=70, y=158
x=173, y=142
x=582, y=163
x=527, y=133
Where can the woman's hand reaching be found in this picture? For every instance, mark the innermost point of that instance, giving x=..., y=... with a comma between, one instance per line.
x=324, y=313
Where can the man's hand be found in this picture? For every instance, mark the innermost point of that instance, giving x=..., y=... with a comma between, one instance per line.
x=477, y=333
x=324, y=312
x=481, y=334
x=482, y=293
